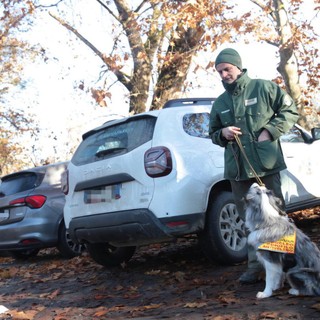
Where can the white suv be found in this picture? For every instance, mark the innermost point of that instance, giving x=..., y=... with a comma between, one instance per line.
x=157, y=176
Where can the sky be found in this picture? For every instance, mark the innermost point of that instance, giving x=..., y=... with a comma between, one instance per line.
x=64, y=114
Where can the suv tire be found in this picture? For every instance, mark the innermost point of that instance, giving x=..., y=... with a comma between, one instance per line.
x=108, y=255
x=224, y=238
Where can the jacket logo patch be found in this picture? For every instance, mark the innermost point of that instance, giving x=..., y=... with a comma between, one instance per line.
x=287, y=101
x=250, y=102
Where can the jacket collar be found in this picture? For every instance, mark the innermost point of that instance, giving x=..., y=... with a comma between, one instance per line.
x=239, y=84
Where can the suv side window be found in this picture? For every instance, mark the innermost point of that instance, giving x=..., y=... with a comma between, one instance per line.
x=114, y=140
x=18, y=183
x=196, y=124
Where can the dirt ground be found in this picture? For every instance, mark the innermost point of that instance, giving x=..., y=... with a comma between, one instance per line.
x=171, y=281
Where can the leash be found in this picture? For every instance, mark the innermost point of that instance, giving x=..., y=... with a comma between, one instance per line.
x=245, y=156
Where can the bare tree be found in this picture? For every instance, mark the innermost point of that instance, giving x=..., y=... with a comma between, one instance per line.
x=292, y=37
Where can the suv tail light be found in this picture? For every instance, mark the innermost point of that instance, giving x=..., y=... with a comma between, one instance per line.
x=158, y=162
x=33, y=202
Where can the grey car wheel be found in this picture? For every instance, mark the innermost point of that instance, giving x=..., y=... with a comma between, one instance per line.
x=224, y=237
x=67, y=248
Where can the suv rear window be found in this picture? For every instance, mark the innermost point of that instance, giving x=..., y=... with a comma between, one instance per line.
x=18, y=183
x=197, y=124
x=115, y=140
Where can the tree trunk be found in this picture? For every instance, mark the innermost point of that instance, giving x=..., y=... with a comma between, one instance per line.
x=288, y=66
x=175, y=70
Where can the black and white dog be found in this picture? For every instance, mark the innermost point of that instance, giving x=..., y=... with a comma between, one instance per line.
x=267, y=223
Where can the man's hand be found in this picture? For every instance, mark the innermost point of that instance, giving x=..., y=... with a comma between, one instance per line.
x=230, y=132
x=264, y=135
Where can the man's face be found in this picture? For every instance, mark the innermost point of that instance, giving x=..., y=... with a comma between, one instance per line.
x=228, y=72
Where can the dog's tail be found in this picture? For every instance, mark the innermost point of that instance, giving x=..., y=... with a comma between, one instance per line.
x=307, y=280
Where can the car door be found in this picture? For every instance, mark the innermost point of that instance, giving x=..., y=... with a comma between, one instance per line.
x=300, y=182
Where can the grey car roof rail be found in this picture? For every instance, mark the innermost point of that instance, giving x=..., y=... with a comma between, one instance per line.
x=188, y=101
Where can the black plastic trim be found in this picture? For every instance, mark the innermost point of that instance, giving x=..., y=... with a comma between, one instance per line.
x=103, y=181
x=188, y=101
x=131, y=227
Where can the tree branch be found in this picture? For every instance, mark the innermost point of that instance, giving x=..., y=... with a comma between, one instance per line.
x=263, y=7
x=108, y=9
x=120, y=75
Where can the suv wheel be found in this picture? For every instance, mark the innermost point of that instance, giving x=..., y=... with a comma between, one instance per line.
x=67, y=248
x=108, y=255
x=224, y=237
x=24, y=254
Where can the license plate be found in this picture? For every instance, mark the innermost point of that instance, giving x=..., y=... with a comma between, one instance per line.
x=102, y=194
x=4, y=215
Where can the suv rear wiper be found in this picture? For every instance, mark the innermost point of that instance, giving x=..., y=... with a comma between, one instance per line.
x=102, y=153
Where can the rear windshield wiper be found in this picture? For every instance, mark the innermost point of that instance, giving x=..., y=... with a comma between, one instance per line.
x=102, y=153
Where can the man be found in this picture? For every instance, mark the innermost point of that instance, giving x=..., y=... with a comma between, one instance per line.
x=258, y=112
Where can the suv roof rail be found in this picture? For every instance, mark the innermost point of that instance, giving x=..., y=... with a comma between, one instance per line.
x=188, y=101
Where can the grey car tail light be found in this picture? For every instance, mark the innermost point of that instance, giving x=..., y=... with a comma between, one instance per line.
x=158, y=162
x=33, y=202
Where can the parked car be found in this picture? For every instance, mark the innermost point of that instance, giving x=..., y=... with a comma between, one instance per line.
x=31, y=213
x=157, y=176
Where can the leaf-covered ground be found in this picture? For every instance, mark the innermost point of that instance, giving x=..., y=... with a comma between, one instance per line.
x=168, y=281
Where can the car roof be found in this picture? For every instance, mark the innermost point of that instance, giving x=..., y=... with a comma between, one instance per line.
x=40, y=169
x=173, y=103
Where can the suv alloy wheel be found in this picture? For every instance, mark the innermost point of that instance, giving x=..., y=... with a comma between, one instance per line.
x=223, y=238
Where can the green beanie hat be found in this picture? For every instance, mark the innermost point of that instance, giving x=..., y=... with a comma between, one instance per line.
x=229, y=56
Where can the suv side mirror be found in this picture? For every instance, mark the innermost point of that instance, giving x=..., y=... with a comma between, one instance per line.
x=307, y=138
x=315, y=133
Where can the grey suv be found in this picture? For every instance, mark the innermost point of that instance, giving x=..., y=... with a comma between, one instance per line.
x=31, y=212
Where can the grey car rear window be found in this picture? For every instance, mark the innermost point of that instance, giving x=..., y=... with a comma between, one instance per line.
x=115, y=140
x=197, y=124
x=17, y=183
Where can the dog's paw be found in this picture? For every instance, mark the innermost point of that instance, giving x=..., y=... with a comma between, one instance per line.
x=294, y=292
x=262, y=295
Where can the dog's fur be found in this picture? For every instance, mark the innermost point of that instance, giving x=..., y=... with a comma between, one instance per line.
x=267, y=223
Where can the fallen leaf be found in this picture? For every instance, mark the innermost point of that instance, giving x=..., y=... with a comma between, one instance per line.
x=195, y=305
x=25, y=315
x=54, y=294
x=101, y=296
x=269, y=315
x=152, y=306
x=179, y=276
x=316, y=306
x=101, y=312
x=153, y=272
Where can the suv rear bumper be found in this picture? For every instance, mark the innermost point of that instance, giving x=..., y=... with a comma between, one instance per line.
x=132, y=228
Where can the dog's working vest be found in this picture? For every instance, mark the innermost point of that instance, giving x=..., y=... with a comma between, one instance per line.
x=286, y=244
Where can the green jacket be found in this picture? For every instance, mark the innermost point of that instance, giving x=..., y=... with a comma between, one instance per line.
x=252, y=105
